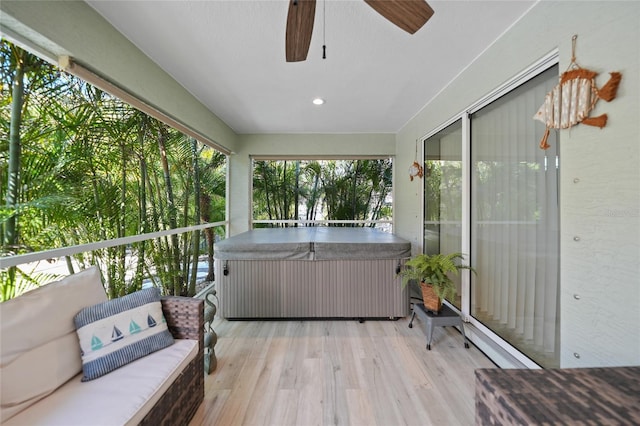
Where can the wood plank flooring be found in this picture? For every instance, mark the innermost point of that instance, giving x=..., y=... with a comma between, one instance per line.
x=339, y=372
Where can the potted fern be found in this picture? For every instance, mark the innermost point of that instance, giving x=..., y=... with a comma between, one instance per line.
x=432, y=272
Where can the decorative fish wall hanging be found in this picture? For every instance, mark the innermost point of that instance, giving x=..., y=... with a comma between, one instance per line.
x=571, y=101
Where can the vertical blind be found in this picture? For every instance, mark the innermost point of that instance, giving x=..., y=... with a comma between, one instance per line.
x=515, y=222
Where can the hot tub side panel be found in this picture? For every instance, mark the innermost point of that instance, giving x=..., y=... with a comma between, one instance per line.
x=361, y=288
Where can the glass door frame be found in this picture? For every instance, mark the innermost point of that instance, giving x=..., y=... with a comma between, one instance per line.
x=546, y=62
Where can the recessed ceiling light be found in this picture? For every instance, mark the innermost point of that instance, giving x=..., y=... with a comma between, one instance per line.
x=318, y=101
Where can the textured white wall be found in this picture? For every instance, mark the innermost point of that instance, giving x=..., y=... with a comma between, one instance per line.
x=602, y=327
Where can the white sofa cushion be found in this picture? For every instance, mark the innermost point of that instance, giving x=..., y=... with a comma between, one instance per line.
x=39, y=348
x=121, y=330
x=122, y=397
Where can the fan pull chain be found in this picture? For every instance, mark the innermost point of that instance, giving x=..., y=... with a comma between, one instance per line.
x=324, y=29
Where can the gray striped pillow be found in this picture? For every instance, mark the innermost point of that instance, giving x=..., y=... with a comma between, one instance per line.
x=119, y=331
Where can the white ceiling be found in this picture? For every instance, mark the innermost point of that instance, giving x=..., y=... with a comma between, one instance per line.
x=230, y=55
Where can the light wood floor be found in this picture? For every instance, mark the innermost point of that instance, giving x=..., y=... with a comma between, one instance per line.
x=339, y=373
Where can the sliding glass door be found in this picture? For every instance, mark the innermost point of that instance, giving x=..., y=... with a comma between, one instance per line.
x=509, y=217
x=443, y=194
x=514, y=222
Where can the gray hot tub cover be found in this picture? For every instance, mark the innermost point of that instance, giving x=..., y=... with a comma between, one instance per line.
x=313, y=243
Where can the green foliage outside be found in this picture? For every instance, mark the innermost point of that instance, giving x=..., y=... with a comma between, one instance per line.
x=79, y=166
x=322, y=190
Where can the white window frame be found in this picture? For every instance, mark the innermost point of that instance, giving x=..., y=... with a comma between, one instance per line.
x=254, y=158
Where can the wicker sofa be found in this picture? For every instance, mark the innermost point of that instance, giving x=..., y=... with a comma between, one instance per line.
x=42, y=370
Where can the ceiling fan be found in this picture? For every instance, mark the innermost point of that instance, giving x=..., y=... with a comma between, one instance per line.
x=410, y=15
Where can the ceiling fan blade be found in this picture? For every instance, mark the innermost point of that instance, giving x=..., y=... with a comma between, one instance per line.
x=410, y=15
x=299, y=29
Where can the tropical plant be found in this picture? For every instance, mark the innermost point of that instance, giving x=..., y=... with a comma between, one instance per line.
x=434, y=269
x=23, y=78
x=331, y=189
x=78, y=166
x=276, y=189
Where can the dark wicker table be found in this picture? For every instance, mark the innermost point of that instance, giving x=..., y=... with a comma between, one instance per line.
x=576, y=396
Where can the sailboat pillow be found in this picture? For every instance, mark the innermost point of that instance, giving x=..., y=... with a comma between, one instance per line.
x=119, y=331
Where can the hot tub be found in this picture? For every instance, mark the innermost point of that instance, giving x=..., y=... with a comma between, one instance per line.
x=312, y=272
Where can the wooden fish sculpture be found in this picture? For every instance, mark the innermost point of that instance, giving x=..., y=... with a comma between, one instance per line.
x=571, y=101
